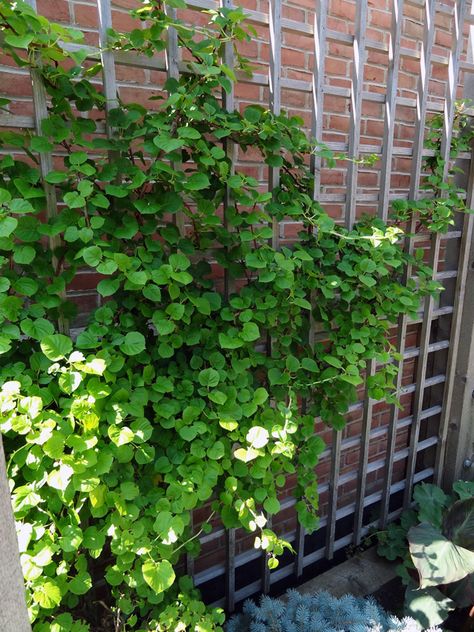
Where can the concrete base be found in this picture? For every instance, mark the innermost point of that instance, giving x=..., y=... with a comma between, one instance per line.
x=361, y=575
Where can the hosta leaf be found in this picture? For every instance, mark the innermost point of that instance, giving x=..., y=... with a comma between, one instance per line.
x=458, y=523
x=431, y=501
x=437, y=559
x=428, y=606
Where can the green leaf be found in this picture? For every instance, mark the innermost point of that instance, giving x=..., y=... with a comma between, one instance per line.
x=197, y=182
x=41, y=144
x=78, y=158
x=258, y=437
x=116, y=191
x=120, y=435
x=253, y=113
x=333, y=361
x=133, y=344
x=209, y=377
x=260, y=396
x=92, y=256
x=24, y=254
x=56, y=177
x=246, y=454
x=188, y=132
x=4, y=196
x=25, y=286
x=218, y=397
x=69, y=382
x=217, y=451
x=437, y=559
x=428, y=606
x=80, y=584
x=229, y=342
x=164, y=327
x=55, y=347
x=47, y=594
x=71, y=538
x=19, y=205
x=228, y=424
x=175, y=311
x=309, y=364
x=271, y=505
x=19, y=41
x=158, y=575
x=458, y=523
x=7, y=226
x=167, y=144
x=367, y=280
x=250, y=332
x=431, y=501
x=108, y=287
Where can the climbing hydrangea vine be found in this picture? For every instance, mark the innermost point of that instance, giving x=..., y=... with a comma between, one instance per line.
x=184, y=390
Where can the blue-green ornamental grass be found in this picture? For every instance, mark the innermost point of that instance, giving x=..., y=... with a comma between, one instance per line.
x=167, y=401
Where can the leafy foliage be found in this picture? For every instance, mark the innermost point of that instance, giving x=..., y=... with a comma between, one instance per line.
x=435, y=542
x=320, y=612
x=436, y=212
x=169, y=399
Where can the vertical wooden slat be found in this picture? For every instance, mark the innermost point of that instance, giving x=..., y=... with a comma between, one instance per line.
x=275, y=92
x=363, y=459
x=455, y=447
x=449, y=106
x=336, y=445
x=229, y=104
x=107, y=58
x=274, y=80
x=351, y=202
x=228, y=99
x=385, y=176
x=46, y=165
x=320, y=28
x=230, y=570
x=460, y=293
x=172, y=71
x=390, y=105
x=13, y=612
x=418, y=142
x=358, y=61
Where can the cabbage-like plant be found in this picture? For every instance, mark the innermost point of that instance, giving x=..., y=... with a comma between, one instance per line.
x=435, y=542
x=444, y=559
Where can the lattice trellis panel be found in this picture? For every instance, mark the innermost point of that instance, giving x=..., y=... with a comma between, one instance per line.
x=368, y=470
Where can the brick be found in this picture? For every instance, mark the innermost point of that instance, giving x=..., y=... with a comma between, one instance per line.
x=57, y=10
x=381, y=19
x=86, y=16
x=293, y=58
x=343, y=9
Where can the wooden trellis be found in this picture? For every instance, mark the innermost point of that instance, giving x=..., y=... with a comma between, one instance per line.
x=460, y=238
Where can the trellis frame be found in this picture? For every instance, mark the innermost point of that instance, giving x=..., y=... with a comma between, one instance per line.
x=318, y=88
